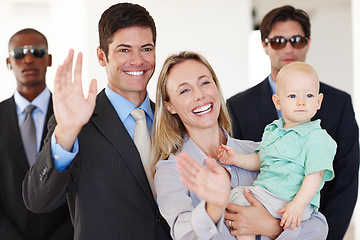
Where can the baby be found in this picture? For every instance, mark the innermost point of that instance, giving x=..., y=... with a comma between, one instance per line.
x=295, y=155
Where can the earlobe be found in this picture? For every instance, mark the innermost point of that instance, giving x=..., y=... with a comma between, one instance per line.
x=321, y=97
x=169, y=107
x=264, y=45
x=8, y=64
x=101, y=56
x=308, y=45
x=50, y=61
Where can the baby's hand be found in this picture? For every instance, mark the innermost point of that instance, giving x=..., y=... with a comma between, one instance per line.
x=292, y=213
x=227, y=155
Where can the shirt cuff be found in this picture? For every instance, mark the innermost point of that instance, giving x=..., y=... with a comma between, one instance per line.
x=202, y=224
x=62, y=158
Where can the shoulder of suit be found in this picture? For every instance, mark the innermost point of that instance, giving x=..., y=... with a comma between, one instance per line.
x=6, y=102
x=328, y=90
x=247, y=93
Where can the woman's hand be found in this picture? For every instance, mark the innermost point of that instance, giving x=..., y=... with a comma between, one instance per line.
x=253, y=220
x=211, y=183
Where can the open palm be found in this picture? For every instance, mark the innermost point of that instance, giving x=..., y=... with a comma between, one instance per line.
x=72, y=110
x=211, y=182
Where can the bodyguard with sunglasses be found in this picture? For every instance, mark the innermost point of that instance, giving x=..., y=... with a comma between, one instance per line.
x=23, y=119
x=285, y=35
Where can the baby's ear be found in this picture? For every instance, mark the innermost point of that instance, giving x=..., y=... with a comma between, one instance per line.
x=321, y=97
x=169, y=107
x=276, y=100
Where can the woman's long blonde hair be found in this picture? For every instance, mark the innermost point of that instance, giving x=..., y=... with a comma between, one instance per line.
x=168, y=129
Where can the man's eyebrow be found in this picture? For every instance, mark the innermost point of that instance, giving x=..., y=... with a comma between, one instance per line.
x=123, y=45
x=129, y=46
x=148, y=45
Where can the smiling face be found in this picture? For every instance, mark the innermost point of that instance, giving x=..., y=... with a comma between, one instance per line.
x=29, y=71
x=130, y=62
x=281, y=57
x=193, y=94
x=297, y=94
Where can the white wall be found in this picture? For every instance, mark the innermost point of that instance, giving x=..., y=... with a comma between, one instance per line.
x=216, y=30
x=213, y=29
x=221, y=32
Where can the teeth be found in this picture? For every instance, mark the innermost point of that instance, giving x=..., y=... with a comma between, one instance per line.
x=135, y=73
x=203, y=109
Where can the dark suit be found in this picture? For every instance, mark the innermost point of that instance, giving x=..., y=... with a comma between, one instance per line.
x=107, y=189
x=253, y=109
x=17, y=222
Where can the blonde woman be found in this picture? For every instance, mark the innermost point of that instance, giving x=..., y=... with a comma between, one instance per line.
x=191, y=122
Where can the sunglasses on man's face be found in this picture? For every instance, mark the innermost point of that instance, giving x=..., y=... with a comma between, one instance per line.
x=20, y=52
x=277, y=43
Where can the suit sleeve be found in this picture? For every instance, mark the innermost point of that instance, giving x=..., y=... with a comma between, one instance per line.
x=44, y=187
x=339, y=196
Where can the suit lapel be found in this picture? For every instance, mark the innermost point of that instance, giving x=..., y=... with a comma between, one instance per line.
x=109, y=124
x=13, y=128
x=264, y=103
x=49, y=113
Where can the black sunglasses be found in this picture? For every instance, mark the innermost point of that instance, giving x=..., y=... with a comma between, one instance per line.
x=280, y=42
x=20, y=52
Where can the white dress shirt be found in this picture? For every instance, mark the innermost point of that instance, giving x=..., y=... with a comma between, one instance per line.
x=41, y=102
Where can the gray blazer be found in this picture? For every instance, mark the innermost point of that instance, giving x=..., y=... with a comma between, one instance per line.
x=106, y=187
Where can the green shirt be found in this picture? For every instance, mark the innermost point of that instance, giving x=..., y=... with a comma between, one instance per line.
x=288, y=155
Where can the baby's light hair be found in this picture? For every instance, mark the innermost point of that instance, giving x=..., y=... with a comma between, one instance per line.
x=296, y=66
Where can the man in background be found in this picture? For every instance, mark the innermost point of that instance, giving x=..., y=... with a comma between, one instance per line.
x=23, y=121
x=285, y=35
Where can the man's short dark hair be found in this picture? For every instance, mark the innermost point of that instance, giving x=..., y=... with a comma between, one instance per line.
x=27, y=31
x=283, y=14
x=123, y=15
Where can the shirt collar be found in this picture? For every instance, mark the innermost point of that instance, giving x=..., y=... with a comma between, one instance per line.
x=302, y=129
x=272, y=84
x=41, y=102
x=190, y=144
x=124, y=107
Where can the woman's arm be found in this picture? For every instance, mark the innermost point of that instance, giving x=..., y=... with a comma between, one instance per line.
x=188, y=216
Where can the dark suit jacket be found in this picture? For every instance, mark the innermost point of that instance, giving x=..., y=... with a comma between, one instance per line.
x=253, y=109
x=106, y=186
x=17, y=222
